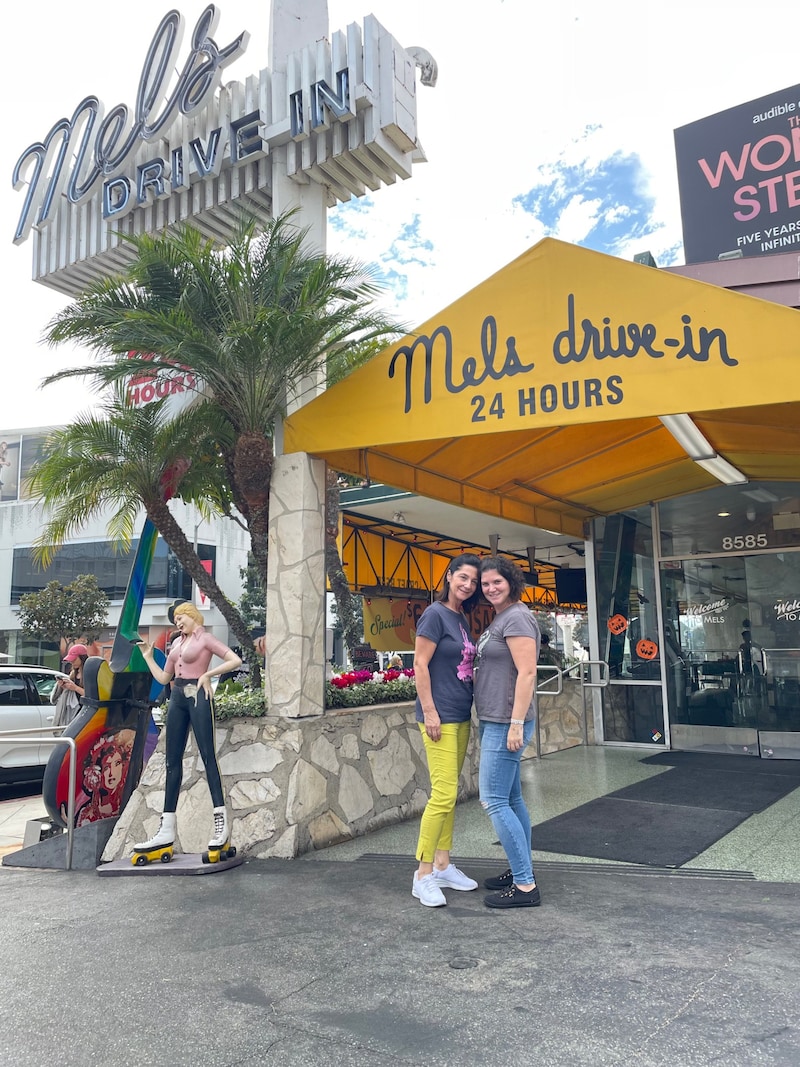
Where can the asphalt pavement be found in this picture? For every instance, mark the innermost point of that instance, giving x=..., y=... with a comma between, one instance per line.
x=332, y=964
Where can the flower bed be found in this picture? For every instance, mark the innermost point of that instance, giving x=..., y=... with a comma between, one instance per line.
x=347, y=689
x=352, y=689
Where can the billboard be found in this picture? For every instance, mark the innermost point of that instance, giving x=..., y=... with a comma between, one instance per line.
x=739, y=179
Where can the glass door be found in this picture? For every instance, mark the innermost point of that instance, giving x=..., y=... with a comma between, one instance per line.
x=732, y=624
x=773, y=583
x=627, y=621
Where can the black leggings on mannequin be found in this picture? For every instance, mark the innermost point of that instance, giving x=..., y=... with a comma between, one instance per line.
x=185, y=711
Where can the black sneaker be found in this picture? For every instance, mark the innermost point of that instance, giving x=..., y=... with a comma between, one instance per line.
x=502, y=881
x=514, y=898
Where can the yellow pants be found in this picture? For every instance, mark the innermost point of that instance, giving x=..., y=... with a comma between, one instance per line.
x=445, y=760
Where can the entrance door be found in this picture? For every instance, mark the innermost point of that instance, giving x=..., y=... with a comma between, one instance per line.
x=734, y=623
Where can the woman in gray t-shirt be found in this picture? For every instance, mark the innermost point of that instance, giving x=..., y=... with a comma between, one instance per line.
x=505, y=700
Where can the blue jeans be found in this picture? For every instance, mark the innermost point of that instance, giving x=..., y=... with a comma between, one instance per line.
x=501, y=796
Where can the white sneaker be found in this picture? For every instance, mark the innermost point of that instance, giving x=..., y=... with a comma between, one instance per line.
x=427, y=891
x=452, y=878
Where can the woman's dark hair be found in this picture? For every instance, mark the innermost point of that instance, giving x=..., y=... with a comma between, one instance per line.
x=508, y=570
x=466, y=559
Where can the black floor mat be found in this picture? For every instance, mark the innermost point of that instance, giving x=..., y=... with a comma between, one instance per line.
x=630, y=831
x=670, y=818
x=720, y=789
x=720, y=761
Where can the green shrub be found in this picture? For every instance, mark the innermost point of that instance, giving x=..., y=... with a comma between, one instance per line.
x=232, y=700
x=355, y=696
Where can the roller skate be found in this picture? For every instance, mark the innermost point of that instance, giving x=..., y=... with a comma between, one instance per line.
x=220, y=847
x=159, y=847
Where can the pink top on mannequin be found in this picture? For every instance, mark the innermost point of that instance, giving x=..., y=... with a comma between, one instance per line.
x=191, y=654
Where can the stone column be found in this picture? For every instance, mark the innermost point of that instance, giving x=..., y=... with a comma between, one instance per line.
x=295, y=673
x=295, y=668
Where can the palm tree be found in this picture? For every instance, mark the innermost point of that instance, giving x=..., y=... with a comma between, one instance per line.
x=252, y=322
x=124, y=459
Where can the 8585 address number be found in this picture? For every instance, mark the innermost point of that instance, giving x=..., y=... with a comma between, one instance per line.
x=729, y=544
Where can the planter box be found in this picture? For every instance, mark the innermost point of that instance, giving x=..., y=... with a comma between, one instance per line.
x=293, y=785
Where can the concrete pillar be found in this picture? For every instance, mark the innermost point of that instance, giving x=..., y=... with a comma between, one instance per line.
x=296, y=578
x=295, y=675
x=295, y=24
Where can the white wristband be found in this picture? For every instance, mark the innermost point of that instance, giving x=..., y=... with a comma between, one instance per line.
x=517, y=722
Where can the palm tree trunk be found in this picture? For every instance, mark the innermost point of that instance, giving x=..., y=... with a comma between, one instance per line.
x=340, y=587
x=166, y=524
x=251, y=466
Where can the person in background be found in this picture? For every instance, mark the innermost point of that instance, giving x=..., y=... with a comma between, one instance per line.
x=171, y=639
x=69, y=692
x=549, y=656
x=505, y=701
x=395, y=663
x=443, y=654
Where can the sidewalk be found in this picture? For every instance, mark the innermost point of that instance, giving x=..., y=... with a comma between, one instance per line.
x=328, y=960
x=334, y=964
x=14, y=814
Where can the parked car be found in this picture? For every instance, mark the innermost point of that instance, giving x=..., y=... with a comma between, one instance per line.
x=25, y=705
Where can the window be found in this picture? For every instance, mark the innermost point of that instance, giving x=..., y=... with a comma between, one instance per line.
x=13, y=690
x=111, y=566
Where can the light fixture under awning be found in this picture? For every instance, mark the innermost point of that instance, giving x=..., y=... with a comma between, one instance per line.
x=698, y=448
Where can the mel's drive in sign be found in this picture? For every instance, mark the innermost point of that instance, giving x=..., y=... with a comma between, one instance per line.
x=739, y=179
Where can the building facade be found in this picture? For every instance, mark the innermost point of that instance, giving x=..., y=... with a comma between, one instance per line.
x=220, y=543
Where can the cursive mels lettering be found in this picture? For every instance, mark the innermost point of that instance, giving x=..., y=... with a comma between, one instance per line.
x=473, y=370
x=115, y=140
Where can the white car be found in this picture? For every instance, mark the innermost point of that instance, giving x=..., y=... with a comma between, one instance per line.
x=25, y=705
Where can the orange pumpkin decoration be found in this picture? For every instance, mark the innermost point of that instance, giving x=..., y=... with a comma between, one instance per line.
x=646, y=649
x=618, y=624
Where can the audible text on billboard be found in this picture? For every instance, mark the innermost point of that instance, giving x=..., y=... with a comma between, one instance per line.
x=739, y=179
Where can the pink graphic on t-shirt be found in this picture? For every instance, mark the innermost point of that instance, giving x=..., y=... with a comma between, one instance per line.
x=467, y=657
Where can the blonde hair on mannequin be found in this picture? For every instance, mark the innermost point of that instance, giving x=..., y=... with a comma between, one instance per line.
x=190, y=610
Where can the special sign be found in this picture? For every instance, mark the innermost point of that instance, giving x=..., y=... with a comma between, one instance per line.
x=739, y=179
x=561, y=336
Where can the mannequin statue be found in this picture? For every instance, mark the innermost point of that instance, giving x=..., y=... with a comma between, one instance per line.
x=190, y=705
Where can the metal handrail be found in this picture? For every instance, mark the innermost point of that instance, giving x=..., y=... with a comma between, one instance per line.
x=559, y=679
x=23, y=737
x=585, y=684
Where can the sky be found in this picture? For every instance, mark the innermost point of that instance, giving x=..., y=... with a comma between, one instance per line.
x=548, y=119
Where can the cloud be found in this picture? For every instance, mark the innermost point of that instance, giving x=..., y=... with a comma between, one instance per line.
x=593, y=193
x=599, y=203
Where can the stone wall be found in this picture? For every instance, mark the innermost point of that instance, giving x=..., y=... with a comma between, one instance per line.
x=561, y=719
x=297, y=785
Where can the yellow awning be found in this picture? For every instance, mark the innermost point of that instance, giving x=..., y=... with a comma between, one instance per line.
x=537, y=395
